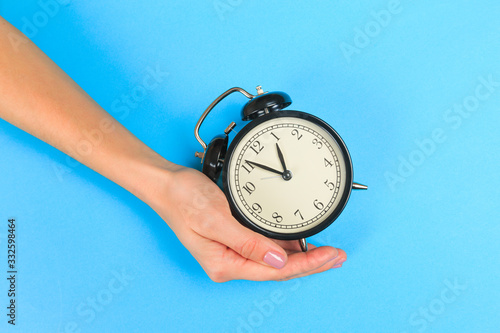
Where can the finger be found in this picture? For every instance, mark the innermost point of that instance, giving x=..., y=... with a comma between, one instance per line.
x=336, y=263
x=306, y=263
x=292, y=246
x=247, y=243
x=293, y=249
x=299, y=264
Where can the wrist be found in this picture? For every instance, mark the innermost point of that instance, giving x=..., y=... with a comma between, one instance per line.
x=152, y=178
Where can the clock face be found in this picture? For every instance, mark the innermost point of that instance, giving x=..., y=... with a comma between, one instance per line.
x=287, y=175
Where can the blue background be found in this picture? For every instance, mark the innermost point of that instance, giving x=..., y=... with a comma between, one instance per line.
x=422, y=242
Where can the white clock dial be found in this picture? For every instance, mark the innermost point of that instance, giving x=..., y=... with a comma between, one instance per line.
x=300, y=199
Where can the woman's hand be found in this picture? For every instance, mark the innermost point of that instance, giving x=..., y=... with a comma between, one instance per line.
x=39, y=98
x=198, y=212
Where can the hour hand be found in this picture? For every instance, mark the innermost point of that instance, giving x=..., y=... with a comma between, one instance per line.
x=265, y=167
x=282, y=159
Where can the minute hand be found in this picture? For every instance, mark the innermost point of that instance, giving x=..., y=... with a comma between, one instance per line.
x=265, y=167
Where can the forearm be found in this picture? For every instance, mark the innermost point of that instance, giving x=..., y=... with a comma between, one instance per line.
x=38, y=97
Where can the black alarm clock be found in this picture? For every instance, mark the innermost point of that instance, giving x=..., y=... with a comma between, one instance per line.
x=286, y=174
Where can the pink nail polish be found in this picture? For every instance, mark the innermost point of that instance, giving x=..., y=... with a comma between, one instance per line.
x=337, y=266
x=274, y=259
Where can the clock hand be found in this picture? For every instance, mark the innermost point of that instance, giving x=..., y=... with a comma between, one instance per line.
x=282, y=159
x=264, y=167
x=271, y=177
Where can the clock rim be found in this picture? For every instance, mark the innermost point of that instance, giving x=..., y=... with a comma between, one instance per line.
x=241, y=217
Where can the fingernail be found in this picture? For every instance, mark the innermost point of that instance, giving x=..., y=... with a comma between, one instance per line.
x=274, y=259
x=339, y=263
x=336, y=254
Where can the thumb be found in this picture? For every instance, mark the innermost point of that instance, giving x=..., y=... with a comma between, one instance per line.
x=248, y=243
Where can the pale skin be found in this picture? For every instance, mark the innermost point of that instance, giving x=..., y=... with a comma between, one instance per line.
x=41, y=99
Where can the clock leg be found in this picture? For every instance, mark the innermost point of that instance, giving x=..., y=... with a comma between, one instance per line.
x=303, y=244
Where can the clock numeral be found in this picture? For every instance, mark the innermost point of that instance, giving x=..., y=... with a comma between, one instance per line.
x=249, y=187
x=275, y=136
x=257, y=147
x=295, y=132
x=257, y=208
x=248, y=167
x=318, y=204
x=328, y=163
x=318, y=143
x=298, y=212
x=278, y=218
x=330, y=185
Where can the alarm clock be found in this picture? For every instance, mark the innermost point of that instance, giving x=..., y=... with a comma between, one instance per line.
x=286, y=174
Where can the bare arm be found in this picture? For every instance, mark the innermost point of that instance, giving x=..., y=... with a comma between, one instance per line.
x=38, y=97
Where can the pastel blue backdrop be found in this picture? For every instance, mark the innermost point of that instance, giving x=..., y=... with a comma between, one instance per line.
x=413, y=87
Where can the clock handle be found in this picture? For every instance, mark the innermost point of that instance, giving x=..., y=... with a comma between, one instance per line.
x=207, y=111
x=303, y=244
